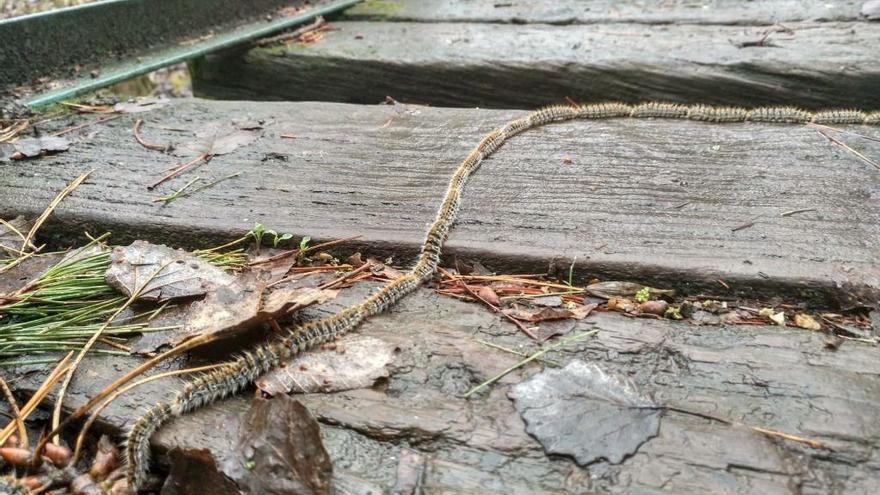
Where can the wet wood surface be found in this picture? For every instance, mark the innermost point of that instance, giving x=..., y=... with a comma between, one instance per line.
x=697, y=207
x=416, y=425
x=737, y=12
x=813, y=65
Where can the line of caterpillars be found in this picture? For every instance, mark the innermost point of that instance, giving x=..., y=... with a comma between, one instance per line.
x=244, y=369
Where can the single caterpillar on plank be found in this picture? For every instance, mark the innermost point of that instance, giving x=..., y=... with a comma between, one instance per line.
x=243, y=370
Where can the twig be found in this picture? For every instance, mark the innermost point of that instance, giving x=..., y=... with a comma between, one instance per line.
x=19, y=422
x=848, y=148
x=84, y=125
x=498, y=310
x=55, y=202
x=88, y=424
x=794, y=212
x=742, y=226
x=529, y=359
x=150, y=146
x=178, y=169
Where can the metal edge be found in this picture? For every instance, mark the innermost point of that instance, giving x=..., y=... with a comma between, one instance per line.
x=196, y=51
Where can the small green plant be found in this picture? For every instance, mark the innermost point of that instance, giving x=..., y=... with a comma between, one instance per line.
x=257, y=233
x=643, y=295
x=571, y=272
x=278, y=239
x=303, y=247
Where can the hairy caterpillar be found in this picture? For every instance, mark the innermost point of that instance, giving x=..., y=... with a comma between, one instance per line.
x=243, y=370
x=9, y=485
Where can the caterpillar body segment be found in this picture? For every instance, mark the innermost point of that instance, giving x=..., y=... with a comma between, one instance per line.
x=706, y=113
x=603, y=111
x=780, y=115
x=659, y=110
x=244, y=369
x=831, y=117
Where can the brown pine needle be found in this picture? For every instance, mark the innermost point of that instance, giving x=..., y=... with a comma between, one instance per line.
x=56, y=413
x=55, y=202
x=793, y=438
x=83, y=126
x=770, y=433
x=12, y=131
x=94, y=416
x=848, y=148
x=505, y=278
x=494, y=308
x=345, y=277
x=16, y=412
x=38, y=396
x=146, y=365
x=150, y=146
x=179, y=169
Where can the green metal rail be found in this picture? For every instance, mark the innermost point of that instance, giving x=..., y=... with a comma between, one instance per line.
x=114, y=40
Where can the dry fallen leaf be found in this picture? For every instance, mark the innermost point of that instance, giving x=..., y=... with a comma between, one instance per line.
x=545, y=314
x=806, y=321
x=162, y=273
x=365, y=360
x=582, y=412
x=623, y=305
x=778, y=318
x=34, y=147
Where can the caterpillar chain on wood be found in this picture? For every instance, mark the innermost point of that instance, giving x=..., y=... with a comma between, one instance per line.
x=243, y=370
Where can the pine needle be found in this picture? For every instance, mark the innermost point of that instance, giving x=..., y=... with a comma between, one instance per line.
x=55, y=202
x=562, y=343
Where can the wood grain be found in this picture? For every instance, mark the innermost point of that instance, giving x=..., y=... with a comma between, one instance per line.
x=735, y=12
x=513, y=66
x=777, y=378
x=657, y=201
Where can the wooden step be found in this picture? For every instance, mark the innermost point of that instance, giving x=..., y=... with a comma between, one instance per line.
x=692, y=206
x=736, y=12
x=525, y=66
x=777, y=378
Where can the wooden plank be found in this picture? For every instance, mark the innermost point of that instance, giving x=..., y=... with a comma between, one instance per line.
x=778, y=378
x=599, y=11
x=673, y=203
x=512, y=66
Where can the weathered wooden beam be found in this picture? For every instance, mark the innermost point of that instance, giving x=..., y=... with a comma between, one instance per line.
x=694, y=206
x=513, y=66
x=735, y=12
x=777, y=378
